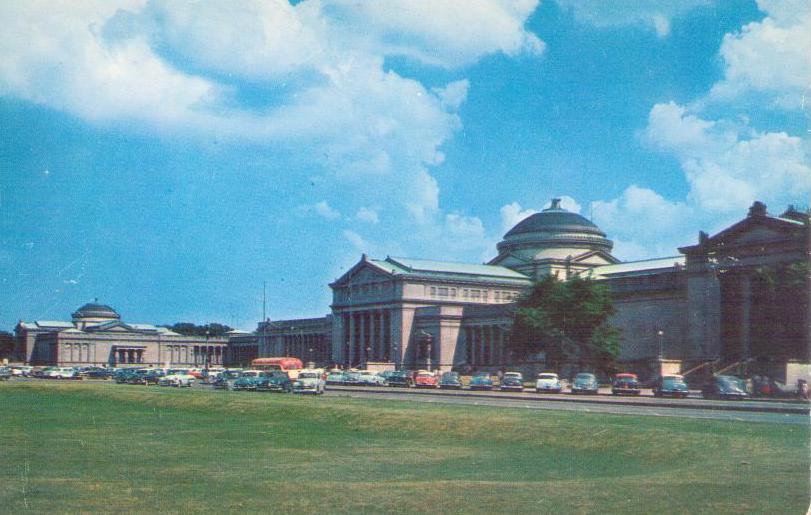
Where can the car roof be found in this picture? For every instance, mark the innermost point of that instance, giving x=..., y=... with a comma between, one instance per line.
x=625, y=374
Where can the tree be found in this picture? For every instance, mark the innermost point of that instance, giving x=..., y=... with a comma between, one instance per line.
x=6, y=345
x=568, y=321
x=190, y=329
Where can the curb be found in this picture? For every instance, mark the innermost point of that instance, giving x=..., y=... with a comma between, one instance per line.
x=694, y=404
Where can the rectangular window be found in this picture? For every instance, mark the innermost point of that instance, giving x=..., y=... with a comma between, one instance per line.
x=453, y=292
x=442, y=292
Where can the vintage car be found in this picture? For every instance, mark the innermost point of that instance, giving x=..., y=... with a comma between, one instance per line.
x=585, y=382
x=177, y=378
x=273, y=381
x=247, y=379
x=5, y=373
x=310, y=380
x=481, y=381
x=670, y=385
x=401, y=378
x=724, y=387
x=625, y=384
x=368, y=378
x=335, y=378
x=450, y=381
x=225, y=379
x=548, y=382
x=511, y=381
x=62, y=373
x=425, y=379
x=352, y=378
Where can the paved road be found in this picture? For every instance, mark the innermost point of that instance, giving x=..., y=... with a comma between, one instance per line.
x=603, y=405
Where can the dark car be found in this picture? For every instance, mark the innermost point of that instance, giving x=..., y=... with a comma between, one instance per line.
x=625, y=384
x=450, y=381
x=724, y=387
x=247, y=380
x=274, y=382
x=401, y=378
x=670, y=386
x=225, y=380
x=97, y=373
x=5, y=373
x=122, y=375
x=585, y=382
x=512, y=381
x=481, y=381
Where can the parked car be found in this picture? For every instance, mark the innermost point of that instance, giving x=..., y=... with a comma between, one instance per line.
x=548, y=382
x=97, y=373
x=225, y=380
x=386, y=374
x=585, y=382
x=367, y=378
x=724, y=387
x=247, y=380
x=310, y=381
x=512, y=381
x=62, y=373
x=177, y=379
x=401, y=378
x=450, y=381
x=481, y=381
x=625, y=384
x=426, y=379
x=352, y=379
x=670, y=385
x=41, y=372
x=335, y=378
x=275, y=381
x=21, y=371
x=5, y=373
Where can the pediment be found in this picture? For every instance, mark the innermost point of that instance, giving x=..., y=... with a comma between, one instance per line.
x=115, y=326
x=363, y=272
x=595, y=258
x=753, y=230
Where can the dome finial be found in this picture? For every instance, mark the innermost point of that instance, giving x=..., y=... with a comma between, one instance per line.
x=555, y=203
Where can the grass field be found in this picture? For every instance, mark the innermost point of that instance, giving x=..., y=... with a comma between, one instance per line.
x=99, y=447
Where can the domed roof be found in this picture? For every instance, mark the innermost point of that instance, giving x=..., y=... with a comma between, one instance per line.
x=555, y=219
x=96, y=310
x=555, y=231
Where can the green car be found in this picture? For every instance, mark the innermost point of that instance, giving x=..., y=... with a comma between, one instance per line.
x=247, y=380
x=273, y=382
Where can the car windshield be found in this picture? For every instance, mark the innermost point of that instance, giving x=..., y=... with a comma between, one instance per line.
x=731, y=382
x=625, y=379
x=450, y=376
x=308, y=375
x=548, y=376
x=672, y=381
x=250, y=374
x=584, y=377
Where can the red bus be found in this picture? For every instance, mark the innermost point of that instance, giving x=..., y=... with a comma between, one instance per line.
x=290, y=365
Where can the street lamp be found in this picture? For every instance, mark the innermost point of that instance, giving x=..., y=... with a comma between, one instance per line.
x=661, y=335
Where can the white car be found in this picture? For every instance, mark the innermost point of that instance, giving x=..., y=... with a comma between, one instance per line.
x=177, y=380
x=310, y=381
x=548, y=382
x=62, y=373
x=21, y=371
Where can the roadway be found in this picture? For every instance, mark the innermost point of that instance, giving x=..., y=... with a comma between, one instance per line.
x=741, y=411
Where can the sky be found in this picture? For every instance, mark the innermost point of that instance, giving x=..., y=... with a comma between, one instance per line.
x=169, y=157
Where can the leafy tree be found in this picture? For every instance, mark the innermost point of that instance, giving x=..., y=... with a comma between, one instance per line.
x=568, y=321
x=190, y=329
x=6, y=344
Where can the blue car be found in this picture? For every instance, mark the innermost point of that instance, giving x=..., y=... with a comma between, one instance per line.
x=481, y=381
x=585, y=383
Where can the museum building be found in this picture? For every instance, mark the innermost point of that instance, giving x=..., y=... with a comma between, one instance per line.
x=739, y=296
x=96, y=335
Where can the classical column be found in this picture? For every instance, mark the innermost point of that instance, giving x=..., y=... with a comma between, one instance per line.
x=746, y=316
x=372, y=336
x=352, y=336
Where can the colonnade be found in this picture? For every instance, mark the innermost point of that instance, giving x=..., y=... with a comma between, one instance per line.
x=485, y=345
x=307, y=347
x=368, y=337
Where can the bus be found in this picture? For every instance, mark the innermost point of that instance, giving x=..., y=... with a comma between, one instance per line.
x=290, y=365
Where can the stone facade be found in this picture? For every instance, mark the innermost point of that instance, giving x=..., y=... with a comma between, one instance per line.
x=97, y=336
x=711, y=304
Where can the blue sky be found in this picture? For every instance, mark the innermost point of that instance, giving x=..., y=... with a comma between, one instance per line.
x=169, y=157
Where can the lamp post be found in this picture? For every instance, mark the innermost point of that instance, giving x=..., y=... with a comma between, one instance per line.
x=661, y=335
x=346, y=355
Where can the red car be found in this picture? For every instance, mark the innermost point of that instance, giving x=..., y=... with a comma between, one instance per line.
x=425, y=379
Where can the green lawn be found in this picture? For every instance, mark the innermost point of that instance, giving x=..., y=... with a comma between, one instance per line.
x=88, y=447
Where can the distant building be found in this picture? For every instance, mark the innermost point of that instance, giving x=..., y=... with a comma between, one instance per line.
x=97, y=336
x=720, y=301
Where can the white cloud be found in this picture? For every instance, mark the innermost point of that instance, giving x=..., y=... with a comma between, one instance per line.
x=770, y=58
x=728, y=166
x=324, y=210
x=181, y=67
x=655, y=14
x=366, y=214
x=512, y=213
